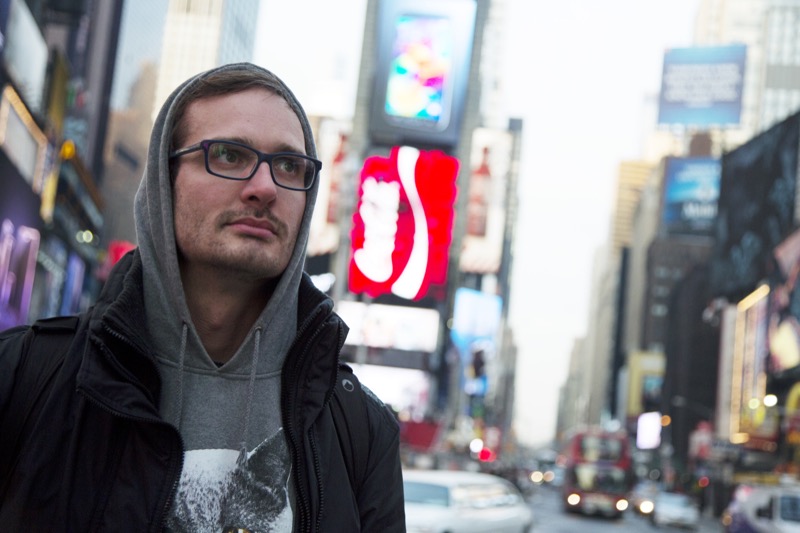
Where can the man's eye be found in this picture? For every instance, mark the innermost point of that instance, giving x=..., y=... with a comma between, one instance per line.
x=287, y=165
x=227, y=154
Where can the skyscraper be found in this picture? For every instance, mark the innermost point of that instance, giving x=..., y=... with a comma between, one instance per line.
x=161, y=45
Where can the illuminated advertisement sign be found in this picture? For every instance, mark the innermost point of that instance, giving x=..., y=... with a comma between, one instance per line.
x=645, y=380
x=339, y=165
x=423, y=60
x=21, y=138
x=784, y=316
x=749, y=378
x=691, y=191
x=476, y=318
x=25, y=54
x=18, y=249
x=402, y=227
x=702, y=86
x=390, y=326
x=482, y=245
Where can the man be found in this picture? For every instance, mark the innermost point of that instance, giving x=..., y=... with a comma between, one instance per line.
x=196, y=394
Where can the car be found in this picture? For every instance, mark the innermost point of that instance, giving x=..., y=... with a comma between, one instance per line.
x=767, y=508
x=439, y=501
x=675, y=509
x=642, y=497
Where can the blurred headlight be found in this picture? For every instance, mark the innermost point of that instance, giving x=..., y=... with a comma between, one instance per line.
x=646, y=507
x=573, y=499
x=622, y=505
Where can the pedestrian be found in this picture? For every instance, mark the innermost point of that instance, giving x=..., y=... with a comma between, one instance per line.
x=197, y=393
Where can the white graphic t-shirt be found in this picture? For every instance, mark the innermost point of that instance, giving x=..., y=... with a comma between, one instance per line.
x=225, y=491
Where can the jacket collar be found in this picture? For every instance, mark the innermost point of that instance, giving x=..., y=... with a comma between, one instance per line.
x=117, y=349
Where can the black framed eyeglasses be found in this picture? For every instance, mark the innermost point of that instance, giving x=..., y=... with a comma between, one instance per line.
x=236, y=161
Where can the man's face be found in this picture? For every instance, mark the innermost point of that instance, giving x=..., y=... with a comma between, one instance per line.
x=246, y=228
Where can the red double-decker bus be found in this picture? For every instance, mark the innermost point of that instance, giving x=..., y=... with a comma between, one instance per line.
x=598, y=472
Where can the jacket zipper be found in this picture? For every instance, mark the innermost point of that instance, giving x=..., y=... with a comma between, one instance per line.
x=174, y=473
x=306, y=515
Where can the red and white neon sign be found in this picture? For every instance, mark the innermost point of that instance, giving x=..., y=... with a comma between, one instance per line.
x=403, y=226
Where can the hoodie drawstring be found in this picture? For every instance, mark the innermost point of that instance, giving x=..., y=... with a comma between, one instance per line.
x=250, y=394
x=182, y=363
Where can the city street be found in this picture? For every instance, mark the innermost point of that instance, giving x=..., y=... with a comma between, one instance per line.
x=550, y=518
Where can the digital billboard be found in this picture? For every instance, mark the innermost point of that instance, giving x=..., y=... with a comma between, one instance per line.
x=403, y=224
x=339, y=167
x=784, y=311
x=390, y=326
x=749, y=377
x=756, y=207
x=422, y=66
x=18, y=249
x=702, y=86
x=490, y=162
x=25, y=54
x=689, y=199
x=645, y=381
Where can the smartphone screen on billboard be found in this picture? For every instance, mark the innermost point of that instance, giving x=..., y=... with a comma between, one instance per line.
x=418, y=88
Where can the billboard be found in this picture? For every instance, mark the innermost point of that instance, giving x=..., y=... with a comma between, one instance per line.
x=689, y=199
x=482, y=245
x=21, y=139
x=645, y=381
x=390, y=326
x=424, y=52
x=18, y=249
x=339, y=166
x=784, y=310
x=749, y=377
x=25, y=54
x=702, y=86
x=403, y=224
x=405, y=390
x=756, y=207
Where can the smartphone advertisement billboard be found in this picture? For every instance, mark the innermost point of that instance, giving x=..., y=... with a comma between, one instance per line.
x=423, y=59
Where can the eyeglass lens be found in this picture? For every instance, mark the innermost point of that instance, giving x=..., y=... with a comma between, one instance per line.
x=239, y=162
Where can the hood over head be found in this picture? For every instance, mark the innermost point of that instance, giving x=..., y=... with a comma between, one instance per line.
x=168, y=318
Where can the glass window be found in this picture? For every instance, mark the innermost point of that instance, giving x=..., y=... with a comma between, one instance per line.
x=427, y=493
x=790, y=508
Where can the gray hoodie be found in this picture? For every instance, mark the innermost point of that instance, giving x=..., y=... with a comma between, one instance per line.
x=226, y=413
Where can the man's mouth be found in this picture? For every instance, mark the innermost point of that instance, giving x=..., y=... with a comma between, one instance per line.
x=255, y=227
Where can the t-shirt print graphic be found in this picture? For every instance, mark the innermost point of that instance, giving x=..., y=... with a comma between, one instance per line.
x=220, y=492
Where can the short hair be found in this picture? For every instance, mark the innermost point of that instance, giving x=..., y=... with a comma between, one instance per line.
x=227, y=81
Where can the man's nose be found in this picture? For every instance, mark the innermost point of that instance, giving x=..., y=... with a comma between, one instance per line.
x=260, y=187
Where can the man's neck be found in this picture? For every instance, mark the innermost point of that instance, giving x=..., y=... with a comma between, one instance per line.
x=223, y=311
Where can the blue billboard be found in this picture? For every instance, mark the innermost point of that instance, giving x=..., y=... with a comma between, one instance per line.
x=691, y=191
x=702, y=86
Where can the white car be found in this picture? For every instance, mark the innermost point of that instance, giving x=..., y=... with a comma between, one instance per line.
x=675, y=509
x=439, y=501
x=764, y=508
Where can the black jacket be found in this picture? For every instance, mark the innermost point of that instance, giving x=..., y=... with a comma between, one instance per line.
x=99, y=457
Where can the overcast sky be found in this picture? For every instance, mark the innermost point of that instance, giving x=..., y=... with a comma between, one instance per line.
x=581, y=74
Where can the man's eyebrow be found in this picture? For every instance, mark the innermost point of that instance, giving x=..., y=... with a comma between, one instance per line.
x=281, y=147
